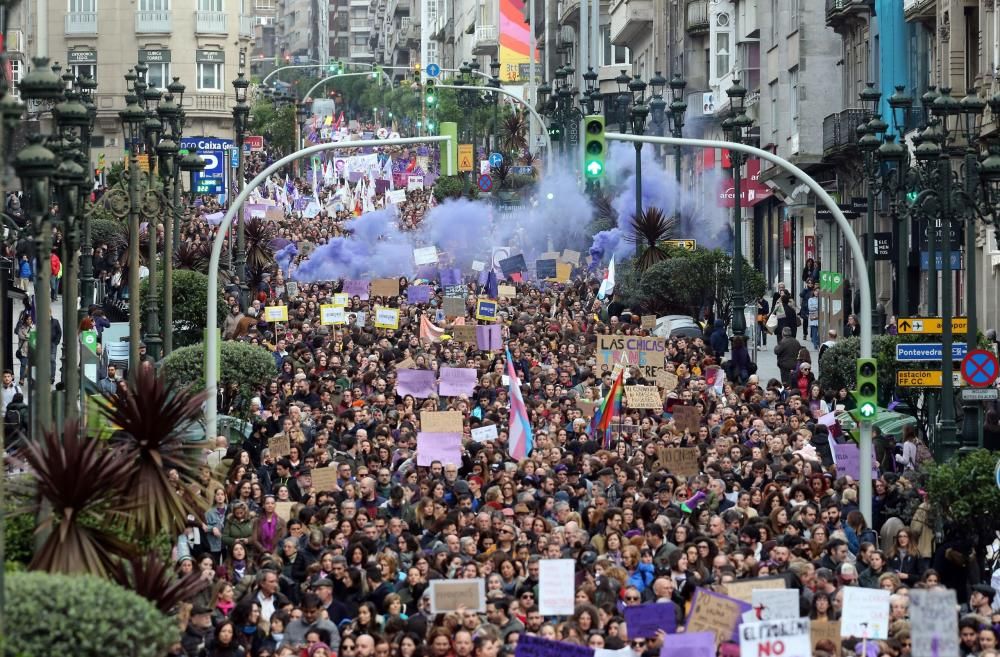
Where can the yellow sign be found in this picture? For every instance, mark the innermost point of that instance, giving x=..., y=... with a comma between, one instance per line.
x=924, y=378
x=465, y=157
x=276, y=313
x=689, y=245
x=930, y=325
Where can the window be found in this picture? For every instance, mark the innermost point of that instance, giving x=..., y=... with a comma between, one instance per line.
x=774, y=23
x=265, y=4
x=263, y=20
x=80, y=70
x=158, y=75
x=209, y=76
x=78, y=6
x=793, y=8
x=793, y=91
x=772, y=92
x=16, y=73
x=209, y=5
x=722, y=58
x=154, y=5
x=612, y=55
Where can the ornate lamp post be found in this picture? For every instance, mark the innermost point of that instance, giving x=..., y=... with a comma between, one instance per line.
x=495, y=97
x=132, y=118
x=638, y=116
x=152, y=128
x=737, y=127
x=623, y=100
x=87, y=86
x=871, y=135
x=241, y=114
x=658, y=106
x=678, y=109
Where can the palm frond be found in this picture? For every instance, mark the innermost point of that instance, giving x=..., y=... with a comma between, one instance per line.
x=514, y=132
x=152, y=578
x=152, y=417
x=192, y=256
x=650, y=229
x=259, y=234
x=82, y=481
x=142, y=237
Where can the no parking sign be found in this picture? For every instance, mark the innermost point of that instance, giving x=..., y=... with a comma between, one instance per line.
x=980, y=368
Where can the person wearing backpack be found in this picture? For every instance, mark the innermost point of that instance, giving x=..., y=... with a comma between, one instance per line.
x=15, y=419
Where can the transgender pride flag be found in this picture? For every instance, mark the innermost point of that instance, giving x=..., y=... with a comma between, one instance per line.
x=520, y=441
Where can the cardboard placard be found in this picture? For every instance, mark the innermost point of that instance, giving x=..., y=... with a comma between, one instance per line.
x=325, y=479
x=291, y=289
x=681, y=461
x=824, y=630
x=484, y=434
x=275, y=313
x=716, y=613
x=648, y=322
x=420, y=384
x=530, y=645
x=933, y=622
x=571, y=257
x=330, y=314
x=643, y=397
x=341, y=298
x=687, y=418
x=458, y=381
x=775, y=604
x=556, y=586
x=427, y=255
x=406, y=364
x=283, y=510
x=464, y=334
x=385, y=287
x=454, y=594
x=478, y=265
x=441, y=421
x=457, y=290
x=419, y=294
x=486, y=310
x=443, y=447
x=563, y=271
x=586, y=408
x=513, y=265
x=866, y=613
x=454, y=307
x=386, y=318
x=545, y=269
x=279, y=446
x=782, y=637
x=643, y=352
x=666, y=380
x=356, y=288
x=689, y=644
x=506, y=291
x=743, y=589
x=644, y=621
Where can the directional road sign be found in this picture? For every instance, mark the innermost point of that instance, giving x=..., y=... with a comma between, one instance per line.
x=980, y=368
x=433, y=70
x=980, y=394
x=496, y=159
x=930, y=325
x=917, y=352
x=465, y=159
x=485, y=183
x=923, y=378
x=689, y=245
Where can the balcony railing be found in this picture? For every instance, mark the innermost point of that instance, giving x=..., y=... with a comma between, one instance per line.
x=697, y=17
x=361, y=52
x=81, y=23
x=208, y=102
x=210, y=22
x=360, y=25
x=840, y=130
x=246, y=26
x=153, y=22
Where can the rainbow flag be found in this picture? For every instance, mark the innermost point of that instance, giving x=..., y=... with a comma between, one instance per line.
x=611, y=406
x=520, y=441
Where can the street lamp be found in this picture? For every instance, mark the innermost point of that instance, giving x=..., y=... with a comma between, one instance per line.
x=640, y=111
x=87, y=86
x=622, y=100
x=590, y=82
x=870, y=138
x=678, y=109
x=132, y=119
x=495, y=97
x=241, y=113
x=658, y=107
x=737, y=127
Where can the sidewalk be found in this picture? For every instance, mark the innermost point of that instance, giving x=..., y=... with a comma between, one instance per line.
x=767, y=362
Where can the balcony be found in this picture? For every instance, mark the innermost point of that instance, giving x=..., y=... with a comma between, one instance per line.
x=570, y=12
x=361, y=52
x=210, y=22
x=697, y=18
x=840, y=132
x=486, y=40
x=207, y=102
x=842, y=14
x=920, y=10
x=153, y=22
x=81, y=23
x=361, y=25
x=630, y=20
x=246, y=26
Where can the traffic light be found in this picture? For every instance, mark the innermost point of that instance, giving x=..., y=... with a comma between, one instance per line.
x=866, y=393
x=594, y=147
x=331, y=68
x=431, y=97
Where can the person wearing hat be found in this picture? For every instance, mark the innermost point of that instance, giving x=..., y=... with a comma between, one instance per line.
x=980, y=601
x=198, y=630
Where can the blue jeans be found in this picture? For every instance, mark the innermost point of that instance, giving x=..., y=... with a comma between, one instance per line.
x=814, y=335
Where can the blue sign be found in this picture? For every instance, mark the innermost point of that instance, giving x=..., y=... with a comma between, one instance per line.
x=485, y=183
x=496, y=159
x=522, y=171
x=212, y=180
x=433, y=70
x=234, y=157
x=917, y=352
x=925, y=261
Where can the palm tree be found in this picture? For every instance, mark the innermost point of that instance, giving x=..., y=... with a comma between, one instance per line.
x=192, y=256
x=154, y=579
x=514, y=132
x=649, y=229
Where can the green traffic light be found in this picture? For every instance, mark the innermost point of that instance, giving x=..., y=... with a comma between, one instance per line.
x=594, y=168
x=867, y=410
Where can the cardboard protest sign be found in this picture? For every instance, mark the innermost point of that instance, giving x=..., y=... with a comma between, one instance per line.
x=458, y=381
x=396, y=196
x=421, y=384
x=443, y=447
x=427, y=255
x=279, y=446
x=529, y=645
x=643, y=397
x=586, y=407
x=450, y=277
x=681, y=461
x=716, y=613
x=545, y=269
x=866, y=613
x=743, y=589
x=484, y=434
x=386, y=318
x=789, y=638
x=324, y=479
x=341, y=299
x=687, y=418
x=454, y=307
x=457, y=290
x=454, y=594
x=556, y=587
x=572, y=257
x=666, y=380
x=689, y=644
x=406, y=364
x=330, y=314
x=644, y=621
x=486, y=310
x=283, y=510
x=933, y=622
x=465, y=334
x=775, y=604
x=847, y=458
x=478, y=265
x=385, y=287
x=506, y=291
x=830, y=631
x=441, y=421
x=563, y=271
x=549, y=255
x=356, y=289
x=648, y=322
x=292, y=289
x=488, y=338
x=275, y=313
x=513, y=265
x=643, y=352
x=418, y=294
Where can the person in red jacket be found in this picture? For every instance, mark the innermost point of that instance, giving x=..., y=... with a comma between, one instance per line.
x=56, y=264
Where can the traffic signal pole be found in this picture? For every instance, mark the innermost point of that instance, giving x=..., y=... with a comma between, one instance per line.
x=527, y=106
x=860, y=265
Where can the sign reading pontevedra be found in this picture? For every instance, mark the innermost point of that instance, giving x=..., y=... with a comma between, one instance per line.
x=213, y=150
x=917, y=352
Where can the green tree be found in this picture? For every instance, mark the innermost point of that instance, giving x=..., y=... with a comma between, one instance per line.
x=83, y=616
x=837, y=369
x=964, y=495
x=190, y=293
x=246, y=365
x=276, y=124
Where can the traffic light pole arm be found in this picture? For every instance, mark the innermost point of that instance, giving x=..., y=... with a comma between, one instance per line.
x=330, y=78
x=857, y=253
x=287, y=68
x=212, y=309
x=541, y=123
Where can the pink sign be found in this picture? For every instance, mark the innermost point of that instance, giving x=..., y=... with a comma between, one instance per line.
x=443, y=447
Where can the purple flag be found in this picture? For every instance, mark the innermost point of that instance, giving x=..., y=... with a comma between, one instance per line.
x=643, y=621
x=419, y=383
x=418, y=294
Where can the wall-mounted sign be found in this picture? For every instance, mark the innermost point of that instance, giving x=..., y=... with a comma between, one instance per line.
x=81, y=57
x=210, y=56
x=154, y=56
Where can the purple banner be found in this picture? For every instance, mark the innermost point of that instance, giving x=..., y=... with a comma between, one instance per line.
x=458, y=380
x=644, y=621
x=451, y=276
x=444, y=447
x=689, y=644
x=419, y=383
x=534, y=646
x=847, y=458
x=488, y=338
x=356, y=289
x=418, y=294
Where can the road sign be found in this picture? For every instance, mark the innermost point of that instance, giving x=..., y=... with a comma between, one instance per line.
x=255, y=142
x=980, y=394
x=916, y=352
x=689, y=245
x=923, y=378
x=485, y=183
x=830, y=281
x=234, y=157
x=212, y=180
x=930, y=325
x=522, y=171
x=496, y=159
x=980, y=368
x=925, y=260
x=465, y=158
x=433, y=70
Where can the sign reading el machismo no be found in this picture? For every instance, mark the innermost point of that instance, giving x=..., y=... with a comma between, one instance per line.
x=646, y=353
